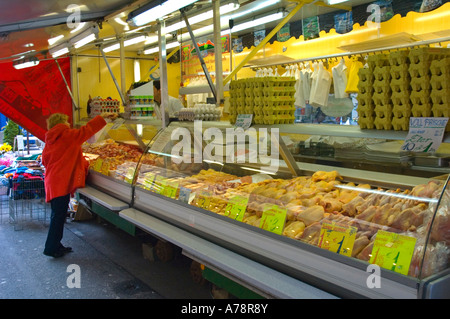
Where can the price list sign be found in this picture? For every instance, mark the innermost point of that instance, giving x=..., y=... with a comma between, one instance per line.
x=203, y=199
x=273, y=219
x=337, y=238
x=393, y=251
x=425, y=134
x=236, y=207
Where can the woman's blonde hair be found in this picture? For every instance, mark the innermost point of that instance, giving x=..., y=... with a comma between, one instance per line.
x=56, y=118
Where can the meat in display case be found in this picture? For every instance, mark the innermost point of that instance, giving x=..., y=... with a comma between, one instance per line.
x=350, y=232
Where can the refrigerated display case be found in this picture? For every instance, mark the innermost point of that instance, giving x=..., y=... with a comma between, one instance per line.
x=352, y=221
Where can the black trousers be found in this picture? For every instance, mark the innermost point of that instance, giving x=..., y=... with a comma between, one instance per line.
x=59, y=206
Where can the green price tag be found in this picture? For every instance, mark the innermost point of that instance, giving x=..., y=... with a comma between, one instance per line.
x=393, y=251
x=98, y=165
x=236, y=207
x=273, y=219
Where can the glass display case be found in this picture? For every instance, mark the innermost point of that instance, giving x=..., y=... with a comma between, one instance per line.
x=339, y=208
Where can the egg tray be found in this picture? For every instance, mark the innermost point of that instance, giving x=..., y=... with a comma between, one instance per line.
x=441, y=110
x=377, y=60
x=400, y=87
x=419, y=55
x=401, y=98
x=440, y=96
x=402, y=110
x=440, y=82
x=422, y=110
x=275, y=119
x=383, y=111
x=421, y=84
x=419, y=70
x=364, y=88
x=382, y=73
x=365, y=111
x=382, y=86
x=399, y=58
x=384, y=123
x=441, y=66
x=399, y=72
x=366, y=122
x=365, y=75
x=280, y=81
x=278, y=91
x=420, y=97
x=365, y=100
x=383, y=98
x=400, y=123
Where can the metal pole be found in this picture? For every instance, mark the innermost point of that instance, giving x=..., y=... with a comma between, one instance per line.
x=218, y=52
x=67, y=86
x=122, y=66
x=163, y=71
x=205, y=69
x=113, y=77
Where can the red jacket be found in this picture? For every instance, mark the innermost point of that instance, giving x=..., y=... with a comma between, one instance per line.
x=62, y=157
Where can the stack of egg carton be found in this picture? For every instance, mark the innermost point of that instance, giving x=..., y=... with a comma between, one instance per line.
x=401, y=89
x=274, y=100
x=381, y=91
x=440, y=88
x=366, y=112
x=237, y=98
x=423, y=95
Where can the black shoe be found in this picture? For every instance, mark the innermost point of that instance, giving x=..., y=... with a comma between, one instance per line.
x=65, y=250
x=56, y=254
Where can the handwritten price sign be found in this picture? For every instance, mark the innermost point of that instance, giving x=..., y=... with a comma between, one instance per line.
x=393, y=251
x=336, y=238
x=425, y=134
x=236, y=207
x=273, y=219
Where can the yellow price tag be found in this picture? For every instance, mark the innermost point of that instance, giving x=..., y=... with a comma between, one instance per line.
x=393, y=251
x=129, y=175
x=105, y=168
x=236, y=207
x=337, y=238
x=273, y=219
x=170, y=189
x=203, y=199
x=98, y=165
x=148, y=181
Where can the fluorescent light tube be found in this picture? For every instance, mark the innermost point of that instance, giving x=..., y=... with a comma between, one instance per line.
x=258, y=7
x=257, y=22
x=331, y=2
x=79, y=27
x=159, y=11
x=53, y=40
x=156, y=49
x=26, y=64
x=113, y=47
x=60, y=52
x=126, y=43
x=85, y=41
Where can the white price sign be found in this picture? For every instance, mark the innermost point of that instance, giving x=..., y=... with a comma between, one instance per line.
x=425, y=134
x=244, y=120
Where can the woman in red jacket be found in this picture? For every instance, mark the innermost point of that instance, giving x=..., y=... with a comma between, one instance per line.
x=65, y=171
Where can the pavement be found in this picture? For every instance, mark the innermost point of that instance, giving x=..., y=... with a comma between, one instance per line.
x=106, y=263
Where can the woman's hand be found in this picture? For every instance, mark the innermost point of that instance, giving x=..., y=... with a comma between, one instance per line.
x=111, y=116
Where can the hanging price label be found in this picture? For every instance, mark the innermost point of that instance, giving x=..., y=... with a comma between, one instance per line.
x=129, y=175
x=338, y=239
x=393, y=251
x=273, y=219
x=236, y=207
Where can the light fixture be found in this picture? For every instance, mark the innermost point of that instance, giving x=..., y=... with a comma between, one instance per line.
x=78, y=27
x=332, y=2
x=227, y=8
x=59, y=50
x=85, y=37
x=126, y=43
x=53, y=40
x=257, y=22
x=254, y=9
x=25, y=63
x=170, y=45
x=152, y=12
